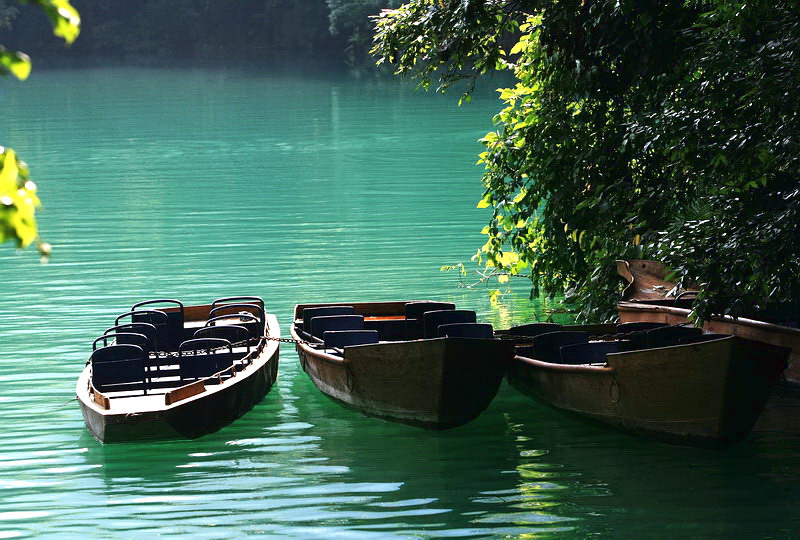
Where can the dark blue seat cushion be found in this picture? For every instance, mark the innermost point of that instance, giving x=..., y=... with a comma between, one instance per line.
x=638, y=326
x=203, y=357
x=320, y=325
x=670, y=335
x=547, y=346
x=468, y=330
x=145, y=329
x=533, y=329
x=346, y=338
x=588, y=353
x=432, y=320
x=237, y=335
x=311, y=312
x=118, y=367
x=414, y=312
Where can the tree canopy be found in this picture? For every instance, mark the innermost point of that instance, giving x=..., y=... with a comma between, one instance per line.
x=664, y=130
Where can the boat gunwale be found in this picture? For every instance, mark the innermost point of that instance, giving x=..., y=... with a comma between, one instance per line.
x=621, y=355
x=633, y=305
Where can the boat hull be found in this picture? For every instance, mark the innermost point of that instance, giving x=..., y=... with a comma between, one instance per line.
x=706, y=394
x=190, y=418
x=774, y=334
x=438, y=383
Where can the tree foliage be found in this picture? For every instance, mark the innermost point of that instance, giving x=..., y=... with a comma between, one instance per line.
x=635, y=130
x=18, y=199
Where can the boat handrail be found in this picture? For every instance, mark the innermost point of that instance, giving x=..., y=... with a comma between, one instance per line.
x=238, y=300
x=260, y=313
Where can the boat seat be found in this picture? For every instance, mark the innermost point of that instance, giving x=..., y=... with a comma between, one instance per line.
x=119, y=368
x=322, y=324
x=590, y=353
x=157, y=318
x=345, y=338
x=257, y=300
x=203, y=357
x=638, y=326
x=175, y=319
x=123, y=338
x=388, y=329
x=232, y=310
x=432, y=320
x=533, y=329
x=145, y=329
x=467, y=330
x=243, y=311
x=322, y=311
x=247, y=321
x=414, y=312
x=238, y=336
x=547, y=347
x=669, y=335
x=702, y=338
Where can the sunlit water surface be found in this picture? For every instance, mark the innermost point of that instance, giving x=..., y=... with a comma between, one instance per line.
x=197, y=184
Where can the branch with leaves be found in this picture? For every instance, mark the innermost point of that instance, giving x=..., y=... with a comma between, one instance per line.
x=662, y=130
x=18, y=198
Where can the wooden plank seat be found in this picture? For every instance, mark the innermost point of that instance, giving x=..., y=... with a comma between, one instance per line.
x=432, y=320
x=119, y=368
x=175, y=319
x=467, y=330
x=415, y=311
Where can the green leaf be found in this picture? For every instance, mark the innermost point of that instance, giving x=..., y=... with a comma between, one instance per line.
x=16, y=63
x=64, y=18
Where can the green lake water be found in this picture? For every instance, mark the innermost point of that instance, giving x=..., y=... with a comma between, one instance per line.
x=302, y=187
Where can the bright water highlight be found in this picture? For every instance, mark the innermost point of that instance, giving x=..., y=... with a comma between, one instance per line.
x=198, y=184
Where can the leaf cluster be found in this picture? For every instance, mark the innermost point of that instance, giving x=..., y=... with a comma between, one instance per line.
x=18, y=199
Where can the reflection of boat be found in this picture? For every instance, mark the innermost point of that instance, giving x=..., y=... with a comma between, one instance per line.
x=669, y=383
x=420, y=363
x=641, y=303
x=179, y=371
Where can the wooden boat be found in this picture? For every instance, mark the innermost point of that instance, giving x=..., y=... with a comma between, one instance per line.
x=672, y=384
x=178, y=371
x=642, y=301
x=425, y=364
